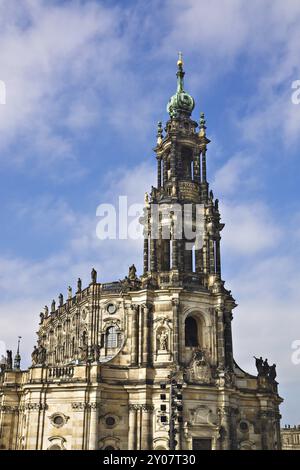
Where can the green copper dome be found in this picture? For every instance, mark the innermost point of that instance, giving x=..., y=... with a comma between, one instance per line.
x=181, y=102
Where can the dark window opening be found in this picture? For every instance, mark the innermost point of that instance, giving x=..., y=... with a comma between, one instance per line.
x=187, y=163
x=191, y=332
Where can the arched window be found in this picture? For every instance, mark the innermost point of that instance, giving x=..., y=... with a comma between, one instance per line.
x=111, y=337
x=191, y=332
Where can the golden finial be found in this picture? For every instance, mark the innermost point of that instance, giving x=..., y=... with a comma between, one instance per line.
x=180, y=60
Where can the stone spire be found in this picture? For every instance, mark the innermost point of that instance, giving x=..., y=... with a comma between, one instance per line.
x=17, y=359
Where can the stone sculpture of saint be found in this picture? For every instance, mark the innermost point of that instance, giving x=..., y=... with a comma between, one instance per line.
x=272, y=372
x=163, y=341
x=94, y=276
x=259, y=365
x=132, y=272
x=34, y=356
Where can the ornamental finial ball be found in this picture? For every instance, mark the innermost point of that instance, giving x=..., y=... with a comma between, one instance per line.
x=180, y=60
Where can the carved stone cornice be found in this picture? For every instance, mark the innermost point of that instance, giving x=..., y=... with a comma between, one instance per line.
x=33, y=407
x=147, y=307
x=266, y=414
x=135, y=307
x=9, y=408
x=80, y=406
x=144, y=407
x=228, y=411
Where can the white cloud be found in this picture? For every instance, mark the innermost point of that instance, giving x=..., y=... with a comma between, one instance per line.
x=234, y=175
x=53, y=59
x=250, y=228
x=267, y=320
x=26, y=285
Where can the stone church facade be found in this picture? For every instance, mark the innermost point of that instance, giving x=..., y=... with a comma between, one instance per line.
x=290, y=437
x=147, y=362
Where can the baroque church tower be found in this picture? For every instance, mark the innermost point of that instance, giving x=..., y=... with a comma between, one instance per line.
x=147, y=362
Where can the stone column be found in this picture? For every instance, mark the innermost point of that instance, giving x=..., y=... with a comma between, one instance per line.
x=218, y=257
x=203, y=165
x=174, y=250
x=146, y=427
x=180, y=244
x=212, y=268
x=199, y=261
x=228, y=340
x=264, y=419
x=158, y=172
x=228, y=428
x=132, y=428
x=139, y=427
x=173, y=160
x=134, y=335
x=205, y=255
x=196, y=160
x=146, y=253
x=153, y=255
x=93, y=425
x=146, y=338
x=175, y=304
x=179, y=161
x=165, y=171
x=220, y=338
x=140, y=336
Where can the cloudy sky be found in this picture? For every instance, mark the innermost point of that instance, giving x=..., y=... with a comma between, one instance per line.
x=86, y=83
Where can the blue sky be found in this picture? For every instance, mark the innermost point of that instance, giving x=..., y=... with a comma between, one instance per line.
x=86, y=84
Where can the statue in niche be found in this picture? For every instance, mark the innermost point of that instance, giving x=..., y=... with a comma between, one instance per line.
x=163, y=340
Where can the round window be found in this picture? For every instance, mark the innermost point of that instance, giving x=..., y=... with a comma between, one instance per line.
x=111, y=308
x=110, y=421
x=58, y=420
